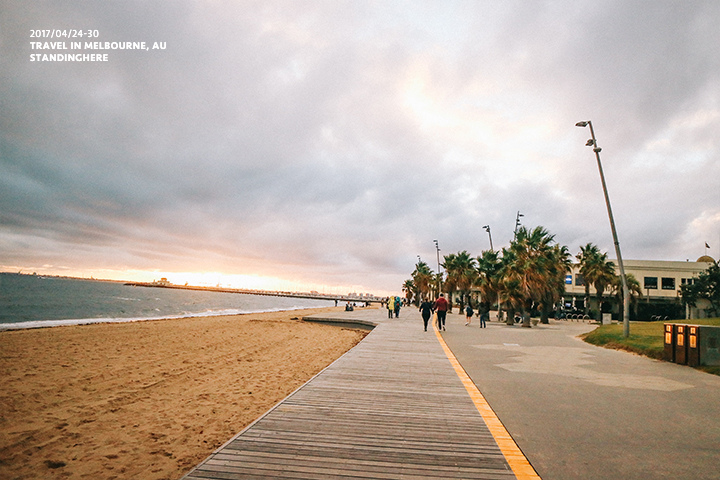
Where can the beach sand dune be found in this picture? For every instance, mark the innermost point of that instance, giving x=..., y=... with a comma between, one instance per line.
x=148, y=399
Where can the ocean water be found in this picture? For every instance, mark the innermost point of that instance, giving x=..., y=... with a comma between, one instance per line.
x=28, y=301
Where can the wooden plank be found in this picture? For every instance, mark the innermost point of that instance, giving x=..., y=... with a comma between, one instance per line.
x=390, y=408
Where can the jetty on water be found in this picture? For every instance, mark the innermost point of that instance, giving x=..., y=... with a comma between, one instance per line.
x=351, y=297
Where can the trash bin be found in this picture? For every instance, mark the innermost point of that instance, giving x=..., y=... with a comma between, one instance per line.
x=709, y=345
x=680, y=344
x=693, y=346
x=669, y=351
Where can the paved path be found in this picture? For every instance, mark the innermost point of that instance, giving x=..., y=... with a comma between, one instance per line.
x=393, y=407
x=583, y=412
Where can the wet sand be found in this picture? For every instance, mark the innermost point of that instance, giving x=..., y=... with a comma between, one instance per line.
x=148, y=399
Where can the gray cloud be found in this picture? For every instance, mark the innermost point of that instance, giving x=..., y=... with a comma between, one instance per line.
x=330, y=142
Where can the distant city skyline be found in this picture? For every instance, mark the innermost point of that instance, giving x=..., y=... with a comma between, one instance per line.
x=324, y=145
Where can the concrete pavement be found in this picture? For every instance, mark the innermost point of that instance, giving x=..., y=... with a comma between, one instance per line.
x=582, y=412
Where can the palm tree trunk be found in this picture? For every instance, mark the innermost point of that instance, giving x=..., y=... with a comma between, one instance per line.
x=526, y=320
x=545, y=314
x=510, y=320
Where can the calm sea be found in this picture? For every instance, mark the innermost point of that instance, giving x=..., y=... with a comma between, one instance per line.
x=28, y=301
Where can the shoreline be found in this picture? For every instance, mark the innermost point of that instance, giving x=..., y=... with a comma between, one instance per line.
x=149, y=399
x=71, y=322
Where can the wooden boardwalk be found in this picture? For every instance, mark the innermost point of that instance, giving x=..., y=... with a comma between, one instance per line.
x=392, y=407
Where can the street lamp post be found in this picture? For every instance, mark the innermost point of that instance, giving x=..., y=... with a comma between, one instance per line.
x=487, y=229
x=517, y=223
x=626, y=293
x=437, y=249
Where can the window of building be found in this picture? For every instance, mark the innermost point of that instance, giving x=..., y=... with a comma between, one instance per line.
x=579, y=280
x=687, y=281
x=650, y=283
x=668, y=283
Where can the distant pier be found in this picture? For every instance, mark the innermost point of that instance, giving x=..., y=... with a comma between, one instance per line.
x=270, y=293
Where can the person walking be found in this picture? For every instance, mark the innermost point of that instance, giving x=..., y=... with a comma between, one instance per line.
x=398, y=304
x=441, y=306
x=483, y=316
x=468, y=314
x=391, y=306
x=426, y=309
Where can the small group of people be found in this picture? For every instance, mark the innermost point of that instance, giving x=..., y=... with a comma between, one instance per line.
x=439, y=306
x=469, y=314
x=393, y=306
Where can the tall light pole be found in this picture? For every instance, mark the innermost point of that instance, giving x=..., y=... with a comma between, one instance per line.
x=437, y=249
x=517, y=223
x=487, y=229
x=626, y=293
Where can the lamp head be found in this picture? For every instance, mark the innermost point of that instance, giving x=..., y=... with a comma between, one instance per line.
x=590, y=143
x=582, y=124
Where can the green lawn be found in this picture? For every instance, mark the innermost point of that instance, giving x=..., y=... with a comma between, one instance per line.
x=646, y=338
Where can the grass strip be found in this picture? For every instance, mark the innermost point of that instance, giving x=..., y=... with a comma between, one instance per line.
x=646, y=338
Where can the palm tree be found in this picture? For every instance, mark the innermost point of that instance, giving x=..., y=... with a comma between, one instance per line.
x=422, y=277
x=489, y=266
x=528, y=269
x=633, y=288
x=603, y=277
x=510, y=294
x=511, y=297
x=588, y=257
x=448, y=284
x=410, y=289
x=596, y=270
x=558, y=265
x=437, y=284
x=461, y=274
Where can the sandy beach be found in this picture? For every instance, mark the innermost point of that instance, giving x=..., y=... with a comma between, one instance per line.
x=148, y=399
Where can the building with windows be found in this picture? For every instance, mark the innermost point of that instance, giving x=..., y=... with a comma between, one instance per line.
x=659, y=281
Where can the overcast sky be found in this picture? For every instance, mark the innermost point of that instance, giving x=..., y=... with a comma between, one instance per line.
x=326, y=144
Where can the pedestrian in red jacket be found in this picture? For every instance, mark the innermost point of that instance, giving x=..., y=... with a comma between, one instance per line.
x=441, y=307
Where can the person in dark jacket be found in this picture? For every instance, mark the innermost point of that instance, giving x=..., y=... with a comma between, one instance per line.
x=426, y=309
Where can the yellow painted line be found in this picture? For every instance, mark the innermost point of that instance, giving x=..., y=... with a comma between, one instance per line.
x=512, y=453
